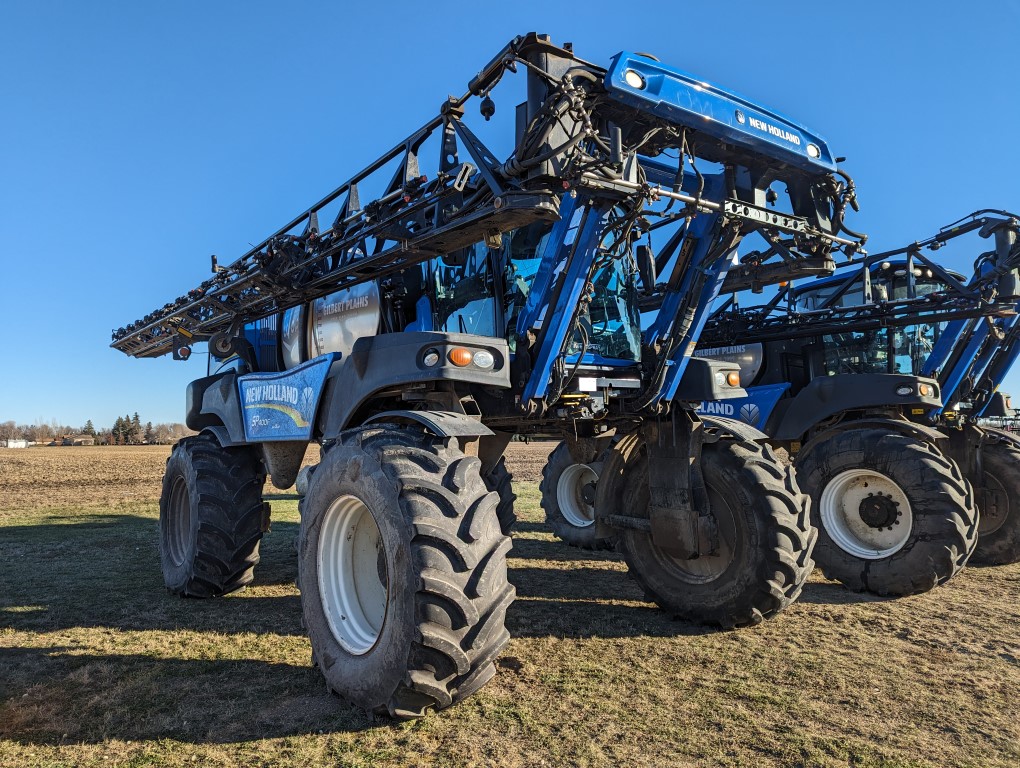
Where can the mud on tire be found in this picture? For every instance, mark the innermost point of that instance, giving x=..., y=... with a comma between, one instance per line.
x=764, y=522
x=440, y=556
x=211, y=517
x=943, y=516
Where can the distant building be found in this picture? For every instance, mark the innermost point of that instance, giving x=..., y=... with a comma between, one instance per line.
x=78, y=440
x=13, y=443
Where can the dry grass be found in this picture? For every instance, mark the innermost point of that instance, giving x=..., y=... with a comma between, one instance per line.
x=99, y=666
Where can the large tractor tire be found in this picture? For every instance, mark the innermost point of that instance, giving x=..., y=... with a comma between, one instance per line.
x=403, y=572
x=211, y=517
x=998, y=493
x=568, y=485
x=765, y=540
x=894, y=516
x=499, y=480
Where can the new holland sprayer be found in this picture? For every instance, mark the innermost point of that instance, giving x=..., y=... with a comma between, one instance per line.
x=444, y=300
x=875, y=380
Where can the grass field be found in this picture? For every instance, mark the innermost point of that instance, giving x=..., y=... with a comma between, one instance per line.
x=100, y=666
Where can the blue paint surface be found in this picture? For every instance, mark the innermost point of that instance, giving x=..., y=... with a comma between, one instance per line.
x=754, y=409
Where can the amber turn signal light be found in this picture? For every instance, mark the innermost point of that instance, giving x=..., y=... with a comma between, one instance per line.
x=460, y=356
x=733, y=378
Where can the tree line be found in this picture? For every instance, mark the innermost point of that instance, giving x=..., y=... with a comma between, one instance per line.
x=126, y=430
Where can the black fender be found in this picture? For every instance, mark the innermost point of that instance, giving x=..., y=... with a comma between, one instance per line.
x=439, y=423
x=396, y=361
x=996, y=435
x=616, y=462
x=213, y=405
x=901, y=426
x=734, y=428
x=828, y=396
x=221, y=434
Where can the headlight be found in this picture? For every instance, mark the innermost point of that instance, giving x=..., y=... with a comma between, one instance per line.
x=634, y=79
x=904, y=389
x=813, y=151
x=484, y=359
x=431, y=358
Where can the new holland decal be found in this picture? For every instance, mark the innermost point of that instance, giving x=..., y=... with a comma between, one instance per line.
x=774, y=130
x=282, y=406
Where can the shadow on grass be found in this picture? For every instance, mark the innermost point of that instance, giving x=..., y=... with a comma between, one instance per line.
x=64, y=696
x=104, y=573
x=523, y=526
x=541, y=549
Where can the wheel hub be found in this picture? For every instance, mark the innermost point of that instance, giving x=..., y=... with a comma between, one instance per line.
x=878, y=510
x=575, y=495
x=353, y=585
x=179, y=510
x=865, y=513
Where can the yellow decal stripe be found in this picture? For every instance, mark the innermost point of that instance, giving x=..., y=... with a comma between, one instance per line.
x=294, y=414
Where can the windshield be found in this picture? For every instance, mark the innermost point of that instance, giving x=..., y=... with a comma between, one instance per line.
x=464, y=287
x=613, y=321
x=609, y=325
x=887, y=350
x=463, y=291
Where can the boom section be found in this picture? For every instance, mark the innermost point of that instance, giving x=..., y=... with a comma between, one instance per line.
x=987, y=300
x=630, y=144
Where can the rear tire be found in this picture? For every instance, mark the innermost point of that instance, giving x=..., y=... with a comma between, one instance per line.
x=499, y=480
x=998, y=493
x=211, y=517
x=860, y=480
x=765, y=540
x=403, y=572
x=568, y=494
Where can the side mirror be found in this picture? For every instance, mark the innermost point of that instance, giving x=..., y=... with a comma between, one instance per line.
x=646, y=267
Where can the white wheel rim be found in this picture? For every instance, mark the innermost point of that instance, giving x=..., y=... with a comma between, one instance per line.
x=179, y=522
x=352, y=578
x=570, y=498
x=866, y=514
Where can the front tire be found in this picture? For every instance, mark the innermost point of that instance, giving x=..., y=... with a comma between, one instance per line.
x=403, y=572
x=764, y=554
x=998, y=492
x=895, y=516
x=568, y=494
x=211, y=517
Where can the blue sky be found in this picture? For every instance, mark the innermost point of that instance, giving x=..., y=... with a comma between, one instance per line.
x=138, y=138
